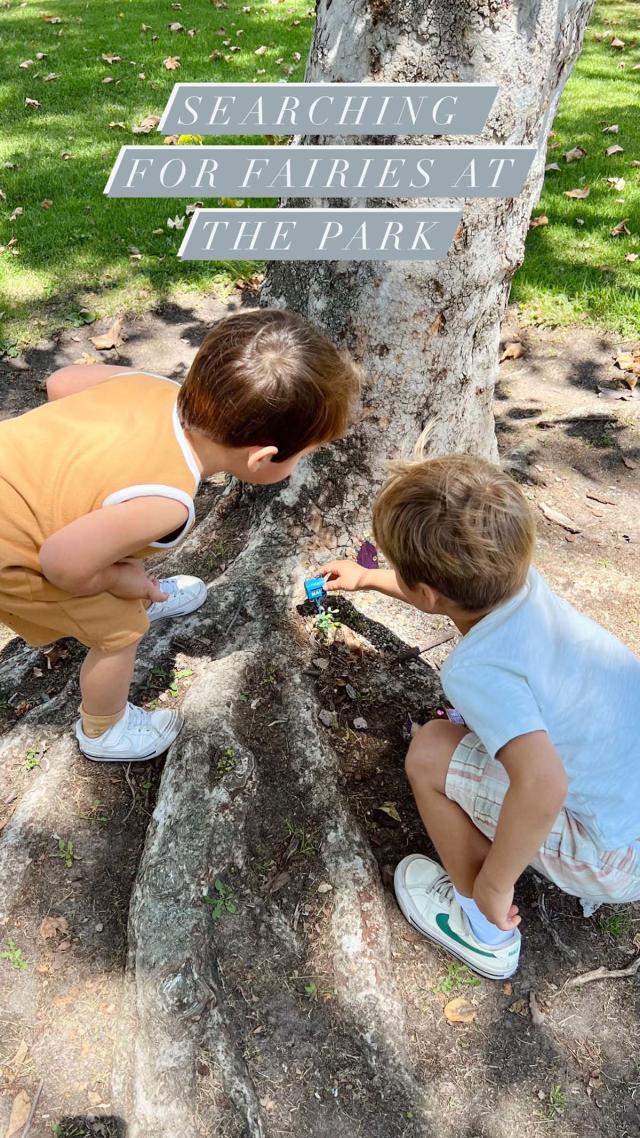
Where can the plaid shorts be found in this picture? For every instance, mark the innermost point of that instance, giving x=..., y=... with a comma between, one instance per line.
x=569, y=857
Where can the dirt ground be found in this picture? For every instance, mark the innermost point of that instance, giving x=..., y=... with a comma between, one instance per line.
x=563, y=1061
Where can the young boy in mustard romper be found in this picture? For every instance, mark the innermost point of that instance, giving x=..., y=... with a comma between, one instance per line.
x=105, y=474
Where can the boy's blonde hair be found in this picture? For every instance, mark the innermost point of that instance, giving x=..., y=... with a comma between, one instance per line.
x=458, y=524
x=266, y=377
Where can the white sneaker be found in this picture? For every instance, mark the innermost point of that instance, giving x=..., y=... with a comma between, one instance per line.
x=139, y=735
x=425, y=895
x=186, y=594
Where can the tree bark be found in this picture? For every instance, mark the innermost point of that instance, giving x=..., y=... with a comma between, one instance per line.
x=427, y=333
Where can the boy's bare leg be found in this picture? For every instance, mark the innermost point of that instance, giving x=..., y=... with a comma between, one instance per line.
x=461, y=846
x=105, y=679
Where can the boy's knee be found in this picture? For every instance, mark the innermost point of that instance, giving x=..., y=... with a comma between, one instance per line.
x=430, y=752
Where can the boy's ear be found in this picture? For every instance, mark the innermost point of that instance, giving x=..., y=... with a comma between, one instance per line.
x=430, y=597
x=258, y=456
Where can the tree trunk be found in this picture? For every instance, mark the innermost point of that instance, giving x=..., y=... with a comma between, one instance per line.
x=270, y=1003
x=427, y=332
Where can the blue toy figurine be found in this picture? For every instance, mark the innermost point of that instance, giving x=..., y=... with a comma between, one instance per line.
x=315, y=590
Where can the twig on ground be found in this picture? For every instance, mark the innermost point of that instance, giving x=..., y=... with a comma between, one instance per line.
x=604, y=974
x=36, y=1099
x=537, y=1017
x=555, y=936
x=127, y=775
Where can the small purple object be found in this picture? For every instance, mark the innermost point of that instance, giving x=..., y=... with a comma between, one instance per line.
x=367, y=555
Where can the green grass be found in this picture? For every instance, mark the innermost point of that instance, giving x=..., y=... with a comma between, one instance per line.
x=564, y=277
x=76, y=253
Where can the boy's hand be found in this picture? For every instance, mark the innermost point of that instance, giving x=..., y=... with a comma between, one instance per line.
x=346, y=575
x=496, y=905
x=131, y=583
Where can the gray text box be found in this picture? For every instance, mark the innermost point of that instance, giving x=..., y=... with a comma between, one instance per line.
x=319, y=234
x=320, y=171
x=328, y=108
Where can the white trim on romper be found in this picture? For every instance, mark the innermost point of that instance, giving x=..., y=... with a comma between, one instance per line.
x=156, y=491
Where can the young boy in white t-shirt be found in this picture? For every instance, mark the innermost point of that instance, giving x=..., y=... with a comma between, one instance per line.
x=546, y=771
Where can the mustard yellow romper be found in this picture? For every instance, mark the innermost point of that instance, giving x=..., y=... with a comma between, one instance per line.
x=118, y=440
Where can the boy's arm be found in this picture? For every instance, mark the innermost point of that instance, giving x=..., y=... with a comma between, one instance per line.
x=76, y=377
x=537, y=790
x=349, y=576
x=82, y=558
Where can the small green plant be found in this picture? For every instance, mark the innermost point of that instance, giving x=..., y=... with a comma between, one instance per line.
x=227, y=761
x=456, y=978
x=67, y=852
x=556, y=1103
x=326, y=623
x=13, y=955
x=222, y=901
x=311, y=990
x=298, y=834
x=32, y=758
x=617, y=925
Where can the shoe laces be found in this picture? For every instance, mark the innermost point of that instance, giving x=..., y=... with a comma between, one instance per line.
x=443, y=889
x=167, y=585
x=137, y=718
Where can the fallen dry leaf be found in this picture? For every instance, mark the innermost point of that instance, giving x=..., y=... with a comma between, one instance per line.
x=575, y=154
x=18, y=212
x=176, y=222
x=615, y=149
x=634, y=162
x=148, y=124
x=260, y=50
x=512, y=351
x=176, y=27
x=50, y=77
x=192, y=207
x=618, y=184
x=20, y=1111
x=459, y=1011
x=631, y=257
x=171, y=63
x=580, y=193
x=46, y=203
x=629, y=361
x=629, y=463
x=32, y=103
x=617, y=43
x=66, y=155
x=613, y=129
x=109, y=57
x=41, y=55
x=536, y=221
x=117, y=126
x=110, y=339
x=26, y=64
x=51, y=19
x=558, y=518
x=51, y=926
x=134, y=253
x=621, y=230
x=108, y=79
x=551, y=166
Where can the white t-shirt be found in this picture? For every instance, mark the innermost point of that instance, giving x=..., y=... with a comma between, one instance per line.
x=536, y=664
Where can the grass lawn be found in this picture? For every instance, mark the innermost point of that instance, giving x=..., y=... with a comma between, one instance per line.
x=574, y=269
x=74, y=253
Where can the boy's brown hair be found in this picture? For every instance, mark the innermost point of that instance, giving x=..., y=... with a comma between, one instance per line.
x=458, y=524
x=265, y=377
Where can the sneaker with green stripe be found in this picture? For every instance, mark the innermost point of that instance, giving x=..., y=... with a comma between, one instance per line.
x=425, y=894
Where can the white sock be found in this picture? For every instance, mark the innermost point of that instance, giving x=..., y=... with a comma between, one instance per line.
x=483, y=929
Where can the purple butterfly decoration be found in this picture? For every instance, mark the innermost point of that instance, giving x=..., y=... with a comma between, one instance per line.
x=367, y=556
